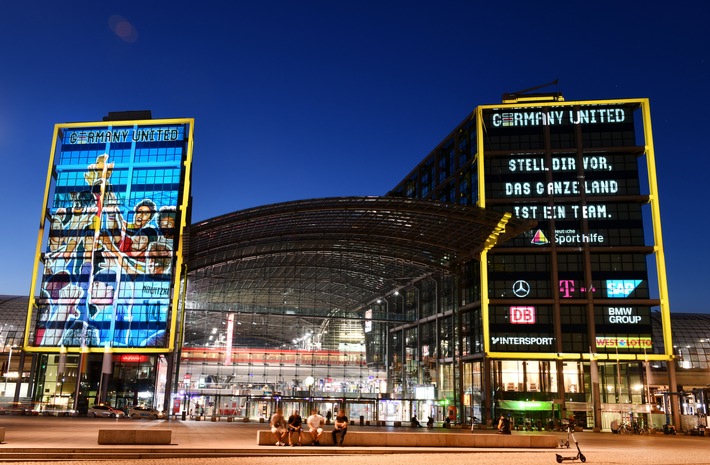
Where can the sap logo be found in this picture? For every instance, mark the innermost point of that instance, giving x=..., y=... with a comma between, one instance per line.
x=621, y=288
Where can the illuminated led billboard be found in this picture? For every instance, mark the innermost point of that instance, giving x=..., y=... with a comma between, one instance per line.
x=575, y=169
x=109, y=256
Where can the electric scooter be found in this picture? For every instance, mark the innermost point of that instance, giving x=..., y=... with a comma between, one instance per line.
x=580, y=456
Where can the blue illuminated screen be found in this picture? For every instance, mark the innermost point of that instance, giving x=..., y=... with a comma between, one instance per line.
x=113, y=214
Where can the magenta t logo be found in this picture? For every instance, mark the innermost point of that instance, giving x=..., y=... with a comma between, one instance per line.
x=566, y=288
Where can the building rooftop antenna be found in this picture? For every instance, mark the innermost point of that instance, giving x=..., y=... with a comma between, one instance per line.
x=524, y=96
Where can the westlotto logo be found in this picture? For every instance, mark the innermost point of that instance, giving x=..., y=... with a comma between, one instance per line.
x=621, y=288
x=640, y=342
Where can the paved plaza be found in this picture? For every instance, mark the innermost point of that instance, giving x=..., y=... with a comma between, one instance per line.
x=67, y=440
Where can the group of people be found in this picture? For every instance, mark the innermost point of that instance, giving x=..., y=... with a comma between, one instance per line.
x=414, y=422
x=286, y=429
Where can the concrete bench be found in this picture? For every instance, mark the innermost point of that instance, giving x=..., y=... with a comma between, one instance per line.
x=135, y=436
x=404, y=439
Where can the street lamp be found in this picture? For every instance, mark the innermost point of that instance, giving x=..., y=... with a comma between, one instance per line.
x=397, y=294
x=385, y=340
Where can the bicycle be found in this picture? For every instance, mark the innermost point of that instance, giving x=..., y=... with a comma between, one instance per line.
x=626, y=428
x=640, y=429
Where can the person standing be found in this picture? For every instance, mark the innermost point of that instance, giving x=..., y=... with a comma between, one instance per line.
x=294, y=426
x=341, y=428
x=278, y=427
x=315, y=424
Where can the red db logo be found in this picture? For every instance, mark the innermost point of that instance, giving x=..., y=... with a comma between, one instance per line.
x=522, y=315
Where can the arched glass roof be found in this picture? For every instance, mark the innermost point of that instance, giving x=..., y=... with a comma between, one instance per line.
x=13, y=314
x=320, y=258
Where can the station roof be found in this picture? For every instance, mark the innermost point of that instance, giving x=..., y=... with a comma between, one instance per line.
x=321, y=257
x=13, y=315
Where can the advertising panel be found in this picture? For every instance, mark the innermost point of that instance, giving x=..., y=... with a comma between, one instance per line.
x=574, y=169
x=115, y=205
x=626, y=342
x=522, y=342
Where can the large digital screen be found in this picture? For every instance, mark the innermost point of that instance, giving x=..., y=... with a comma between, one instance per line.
x=115, y=204
x=574, y=169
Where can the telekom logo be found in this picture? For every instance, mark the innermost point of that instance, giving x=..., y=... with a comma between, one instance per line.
x=567, y=288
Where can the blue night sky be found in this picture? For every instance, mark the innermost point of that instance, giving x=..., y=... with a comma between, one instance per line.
x=303, y=99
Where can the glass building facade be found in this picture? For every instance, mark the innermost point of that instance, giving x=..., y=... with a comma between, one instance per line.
x=558, y=320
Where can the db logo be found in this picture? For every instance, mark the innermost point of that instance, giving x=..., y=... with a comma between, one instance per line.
x=522, y=315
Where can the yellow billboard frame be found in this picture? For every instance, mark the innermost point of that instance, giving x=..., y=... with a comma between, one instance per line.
x=658, y=249
x=178, y=270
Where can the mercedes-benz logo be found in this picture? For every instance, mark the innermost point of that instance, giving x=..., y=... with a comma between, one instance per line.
x=521, y=288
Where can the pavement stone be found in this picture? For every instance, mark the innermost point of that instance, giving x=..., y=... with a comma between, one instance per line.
x=34, y=440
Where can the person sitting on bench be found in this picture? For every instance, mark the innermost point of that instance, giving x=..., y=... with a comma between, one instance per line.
x=341, y=428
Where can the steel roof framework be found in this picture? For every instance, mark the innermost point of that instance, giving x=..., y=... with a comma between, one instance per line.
x=328, y=258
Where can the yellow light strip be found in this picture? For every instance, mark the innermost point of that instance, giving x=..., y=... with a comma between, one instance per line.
x=483, y=265
x=38, y=246
x=657, y=234
x=574, y=356
x=139, y=122
x=183, y=224
x=492, y=239
x=503, y=106
x=481, y=202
